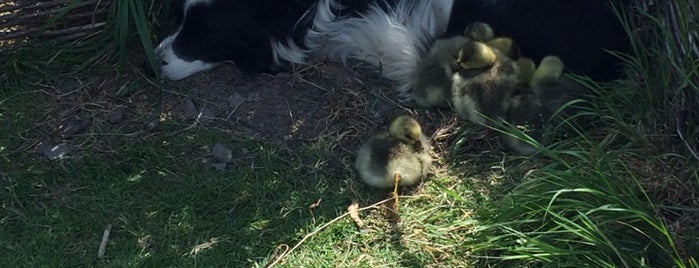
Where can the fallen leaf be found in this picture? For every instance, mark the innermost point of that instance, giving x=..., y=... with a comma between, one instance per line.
x=316, y=204
x=353, y=210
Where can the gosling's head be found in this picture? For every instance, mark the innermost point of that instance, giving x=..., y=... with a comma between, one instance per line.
x=547, y=74
x=526, y=71
x=479, y=31
x=475, y=55
x=506, y=45
x=552, y=64
x=406, y=129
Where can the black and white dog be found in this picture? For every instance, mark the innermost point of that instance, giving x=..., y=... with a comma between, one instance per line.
x=266, y=35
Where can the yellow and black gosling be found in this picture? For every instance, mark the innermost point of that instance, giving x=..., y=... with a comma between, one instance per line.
x=484, y=33
x=484, y=82
x=399, y=156
x=432, y=83
x=531, y=109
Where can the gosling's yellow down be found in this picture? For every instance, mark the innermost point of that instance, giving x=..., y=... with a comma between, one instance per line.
x=432, y=81
x=402, y=150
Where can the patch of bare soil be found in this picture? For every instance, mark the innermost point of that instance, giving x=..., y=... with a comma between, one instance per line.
x=329, y=102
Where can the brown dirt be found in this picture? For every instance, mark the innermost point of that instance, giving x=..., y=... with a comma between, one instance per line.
x=330, y=102
x=325, y=105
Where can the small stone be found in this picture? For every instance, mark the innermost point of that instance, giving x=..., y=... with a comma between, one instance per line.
x=116, y=116
x=189, y=110
x=235, y=100
x=70, y=85
x=73, y=125
x=53, y=152
x=219, y=166
x=193, y=91
x=94, y=80
x=152, y=123
x=283, y=75
x=221, y=154
x=255, y=96
x=206, y=116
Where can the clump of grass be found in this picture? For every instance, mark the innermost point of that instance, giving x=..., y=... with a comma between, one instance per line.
x=126, y=21
x=591, y=210
x=663, y=96
x=590, y=203
x=141, y=14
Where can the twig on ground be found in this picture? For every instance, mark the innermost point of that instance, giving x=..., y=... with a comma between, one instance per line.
x=105, y=239
x=286, y=252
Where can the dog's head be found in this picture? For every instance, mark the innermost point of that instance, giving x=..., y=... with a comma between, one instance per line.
x=178, y=53
x=209, y=32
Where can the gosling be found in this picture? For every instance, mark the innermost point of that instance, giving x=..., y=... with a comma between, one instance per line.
x=400, y=156
x=547, y=74
x=531, y=111
x=432, y=82
x=483, y=32
x=484, y=83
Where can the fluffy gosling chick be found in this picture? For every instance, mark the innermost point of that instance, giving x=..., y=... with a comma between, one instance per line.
x=482, y=86
x=483, y=32
x=527, y=110
x=547, y=74
x=479, y=31
x=526, y=71
x=402, y=150
x=506, y=45
x=476, y=55
x=531, y=110
x=527, y=113
x=431, y=86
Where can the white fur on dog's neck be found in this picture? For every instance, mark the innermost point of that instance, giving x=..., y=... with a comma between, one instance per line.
x=392, y=39
x=190, y=3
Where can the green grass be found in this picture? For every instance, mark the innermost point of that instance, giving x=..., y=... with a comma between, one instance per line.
x=158, y=192
x=592, y=210
x=621, y=194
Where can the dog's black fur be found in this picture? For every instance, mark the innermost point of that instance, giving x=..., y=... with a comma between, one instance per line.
x=239, y=31
x=577, y=31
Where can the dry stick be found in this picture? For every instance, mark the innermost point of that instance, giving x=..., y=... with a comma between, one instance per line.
x=287, y=252
x=76, y=29
x=39, y=14
x=105, y=238
x=314, y=84
x=686, y=143
x=27, y=25
x=30, y=5
x=79, y=35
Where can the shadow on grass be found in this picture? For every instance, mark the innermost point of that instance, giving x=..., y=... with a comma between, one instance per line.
x=166, y=208
x=166, y=203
